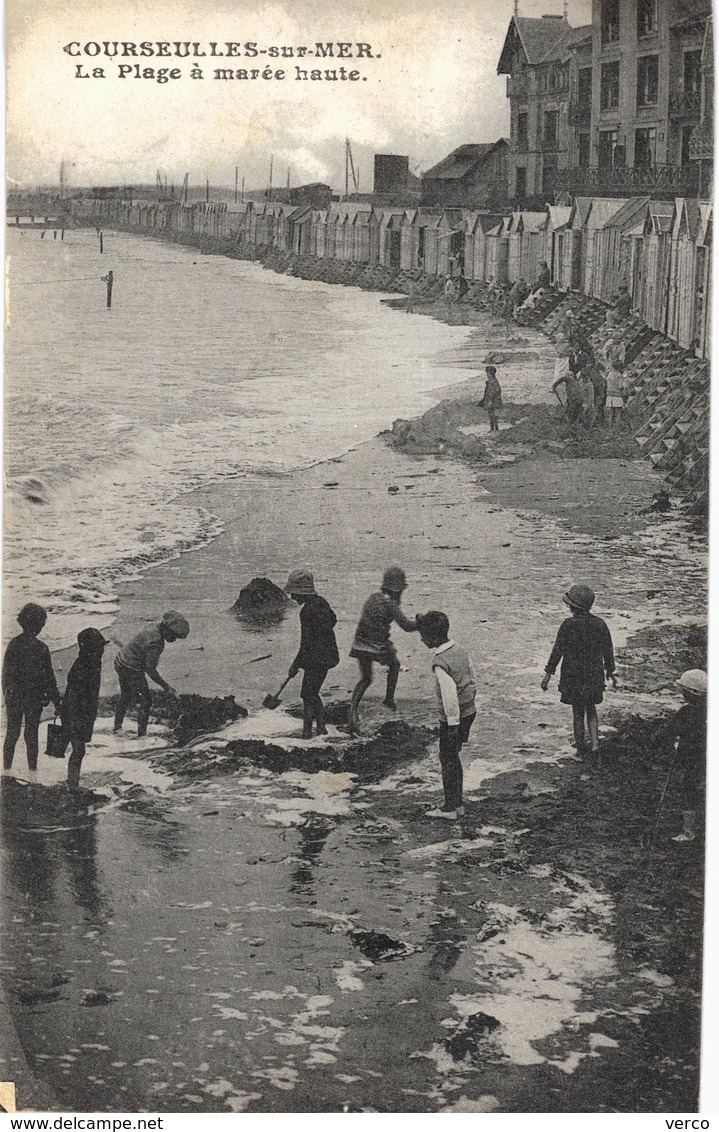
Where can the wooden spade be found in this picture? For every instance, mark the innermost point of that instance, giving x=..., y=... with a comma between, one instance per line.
x=271, y=701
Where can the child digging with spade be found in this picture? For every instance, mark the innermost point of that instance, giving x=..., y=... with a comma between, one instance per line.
x=318, y=648
x=584, y=645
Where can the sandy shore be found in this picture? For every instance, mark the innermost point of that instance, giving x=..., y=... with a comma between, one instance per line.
x=525, y=976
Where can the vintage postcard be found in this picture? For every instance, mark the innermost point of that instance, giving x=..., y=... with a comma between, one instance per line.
x=355, y=556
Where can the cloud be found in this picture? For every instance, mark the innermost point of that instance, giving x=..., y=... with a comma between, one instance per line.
x=433, y=87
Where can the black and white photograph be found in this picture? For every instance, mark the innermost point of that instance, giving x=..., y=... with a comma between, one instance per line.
x=355, y=558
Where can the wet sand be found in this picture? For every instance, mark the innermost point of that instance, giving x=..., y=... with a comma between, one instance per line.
x=248, y=940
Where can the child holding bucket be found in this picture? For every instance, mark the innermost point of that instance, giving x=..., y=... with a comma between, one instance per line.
x=584, y=645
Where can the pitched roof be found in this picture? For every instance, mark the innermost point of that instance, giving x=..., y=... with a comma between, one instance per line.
x=462, y=161
x=629, y=214
x=603, y=210
x=538, y=39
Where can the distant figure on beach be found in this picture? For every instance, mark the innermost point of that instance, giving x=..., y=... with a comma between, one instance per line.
x=318, y=648
x=614, y=355
x=456, y=692
x=28, y=684
x=372, y=644
x=411, y=296
x=492, y=397
x=518, y=293
x=586, y=389
x=567, y=324
x=78, y=710
x=137, y=660
x=584, y=645
x=689, y=730
x=449, y=294
x=621, y=307
x=544, y=277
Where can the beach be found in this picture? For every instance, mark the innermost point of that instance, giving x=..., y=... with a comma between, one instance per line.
x=218, y=935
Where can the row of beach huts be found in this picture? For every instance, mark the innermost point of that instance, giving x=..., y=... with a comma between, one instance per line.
x=661, y=250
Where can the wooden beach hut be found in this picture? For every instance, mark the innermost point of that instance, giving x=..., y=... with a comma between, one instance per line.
x=319, y=232
x=682, y=272
x=611, y=264
x=557, y=220
x=703, y=281
x=360, y=234
x=431, y=242
x=407, y=250
x=390, y=223
x=654, y=295
x=497, y=251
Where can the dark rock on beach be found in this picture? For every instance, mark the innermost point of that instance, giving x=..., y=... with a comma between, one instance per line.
x=261, y=600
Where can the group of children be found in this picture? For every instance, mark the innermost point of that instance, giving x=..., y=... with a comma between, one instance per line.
x=29, y=685
x=583, y=645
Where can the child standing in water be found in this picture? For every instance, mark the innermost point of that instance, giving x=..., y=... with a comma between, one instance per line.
x=584, y=645
x=456, y=692
x=28, y=684
x=372, y=644
x=492, y=399
x=318, y=647
x=689, y=728
x=78, y=711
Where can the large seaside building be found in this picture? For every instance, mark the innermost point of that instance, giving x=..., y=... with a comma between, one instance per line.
x=619, y=107
x=472, y=176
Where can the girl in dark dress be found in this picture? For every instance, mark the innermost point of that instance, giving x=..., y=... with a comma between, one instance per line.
x=584, y=645
x=318, y=648
x=78, y=711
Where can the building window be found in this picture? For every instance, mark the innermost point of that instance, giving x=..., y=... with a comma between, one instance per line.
x=610, y=22
x=551, y=130
x=523, y=132
x=549, y=173
x=646, y=17
x=521, y=181
x=645, y=147
x=584, y=87
x=608, y=140
x=583, y=151
x=647, y=80
x=692, y=72
x=687, y=132
x=609, y=86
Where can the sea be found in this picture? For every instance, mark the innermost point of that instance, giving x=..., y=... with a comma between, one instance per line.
x=204, y=368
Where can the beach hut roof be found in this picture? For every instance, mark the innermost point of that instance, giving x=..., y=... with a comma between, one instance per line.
x=531, y=221
x=704, y=234
x=580, y=212
x=659, y=216
x=602, y=210
x=559, y=215
x=687, y=214
x=632, y=212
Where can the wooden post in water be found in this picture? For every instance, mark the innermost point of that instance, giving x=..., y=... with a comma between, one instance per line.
x=62, y=234
x=101, y=248
x=108, y=279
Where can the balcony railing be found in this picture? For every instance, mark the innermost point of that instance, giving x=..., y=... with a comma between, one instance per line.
x=701, y=143
x=580, y=113
x=685, y=104
x=680, y=180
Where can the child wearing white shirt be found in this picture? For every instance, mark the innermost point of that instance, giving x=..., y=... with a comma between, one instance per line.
x=456, y=692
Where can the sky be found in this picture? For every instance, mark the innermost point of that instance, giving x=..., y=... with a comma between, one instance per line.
x=430, y=86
